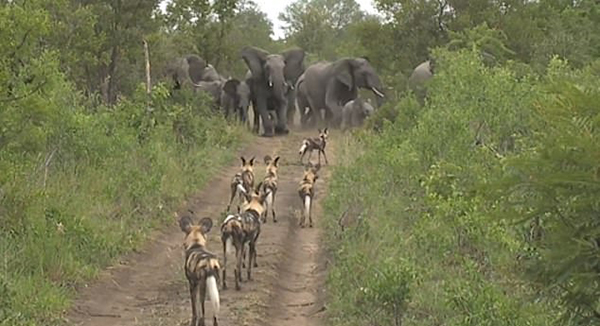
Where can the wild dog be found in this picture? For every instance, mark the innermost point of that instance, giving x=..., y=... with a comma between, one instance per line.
x=306, y=191
x=242, y=181
x=312, y=144
x=239, y=229
x=232, y=235
x=270, y=186
x=201, y=267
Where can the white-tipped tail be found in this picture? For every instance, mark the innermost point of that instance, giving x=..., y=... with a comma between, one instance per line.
x=269, y=201
x=229, y=245
x=213, y=294
x=306, y=206
x=303, y=147
x=241, y=189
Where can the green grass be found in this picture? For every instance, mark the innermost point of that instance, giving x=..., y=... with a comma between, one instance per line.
x=438, y=242
x=100, y=197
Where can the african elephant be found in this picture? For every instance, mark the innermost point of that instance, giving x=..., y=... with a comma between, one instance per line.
x=329, y=85
x=190, y=70
x=355, y=112
x=213, y=89
x=235, y=98
x=269, y=80
x=417, y=80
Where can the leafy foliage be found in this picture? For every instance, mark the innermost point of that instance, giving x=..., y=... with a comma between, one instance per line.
x=485, y=197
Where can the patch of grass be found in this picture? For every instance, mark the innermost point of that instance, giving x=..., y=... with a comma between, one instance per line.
x=117, y=176
x=431, y=240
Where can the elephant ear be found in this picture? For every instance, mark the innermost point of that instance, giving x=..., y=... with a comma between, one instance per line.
x=294, y=63
x=231, y=87
x=344, y=73
x=195, y=67
x=255, y=59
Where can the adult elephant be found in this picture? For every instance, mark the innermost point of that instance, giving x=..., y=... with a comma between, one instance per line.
x=418, y=78
x=270, y=80
x=190, y=70
x=329, y=85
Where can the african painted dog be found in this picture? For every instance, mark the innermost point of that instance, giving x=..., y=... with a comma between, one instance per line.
x=312, y=144
x=306, y=191
x=239, y=229
x=201, y=267
x=242, y=181
x=270, y=186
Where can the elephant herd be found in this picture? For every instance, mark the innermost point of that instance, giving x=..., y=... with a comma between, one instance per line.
x=278, y=85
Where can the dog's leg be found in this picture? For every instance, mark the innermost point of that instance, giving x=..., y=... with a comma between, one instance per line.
x=224, y=264
x=193, y=288
x=202, y=286
x=325, y=155
x=252, y=253
x=233, y=191
x=238, y=265
x=273, y=209
x=255, y=239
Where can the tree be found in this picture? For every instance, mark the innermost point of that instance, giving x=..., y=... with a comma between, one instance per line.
x=315, y=25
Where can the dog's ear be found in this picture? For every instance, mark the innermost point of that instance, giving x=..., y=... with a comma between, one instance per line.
x=258, y=187
x=243, y=160
x=308, y=167
x=317, y=167
x=205, y=225
x=252, y=161
x=319, y=130
x=185, y=223
x=267, y=159
x=276, y=161
x=325, y=131
x=247, y=195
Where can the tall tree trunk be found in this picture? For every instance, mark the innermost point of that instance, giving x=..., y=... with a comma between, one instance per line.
x=112, y=78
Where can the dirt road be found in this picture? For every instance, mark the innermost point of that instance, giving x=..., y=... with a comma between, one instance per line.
x=149, y=287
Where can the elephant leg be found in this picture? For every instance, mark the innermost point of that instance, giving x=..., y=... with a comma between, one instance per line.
x=256, y=125
x=263, y=114
x=281, y=123
x=291, y=107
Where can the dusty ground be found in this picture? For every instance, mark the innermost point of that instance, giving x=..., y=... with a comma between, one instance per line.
x=149, y=287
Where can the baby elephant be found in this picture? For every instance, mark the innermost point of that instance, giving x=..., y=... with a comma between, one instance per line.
x=354, y=113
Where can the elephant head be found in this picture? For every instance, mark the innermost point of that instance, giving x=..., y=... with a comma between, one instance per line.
x=192, y=70
x=272, y=77
x=236, y=98
x=355, y=73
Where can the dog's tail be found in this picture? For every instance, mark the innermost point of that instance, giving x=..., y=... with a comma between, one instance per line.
x=229, y=245
x=269, y=200
x=307, y=201
x=213, y=294
x=303, y=147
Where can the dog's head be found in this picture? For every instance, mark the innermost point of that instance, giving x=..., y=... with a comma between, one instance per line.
x=323, y=134
x=310, y=172
x=247, y=165
x=272, y=165
x=195, y=233
x=255, y=199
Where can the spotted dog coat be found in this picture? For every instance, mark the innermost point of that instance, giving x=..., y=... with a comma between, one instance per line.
x=201, y=267
x=312, y=144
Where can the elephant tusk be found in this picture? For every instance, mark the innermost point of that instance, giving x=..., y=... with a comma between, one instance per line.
x=270, y=83
x=377, y=92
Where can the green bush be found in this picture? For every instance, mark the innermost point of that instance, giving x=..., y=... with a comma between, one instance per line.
x=90, y=186
x=450, y=192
